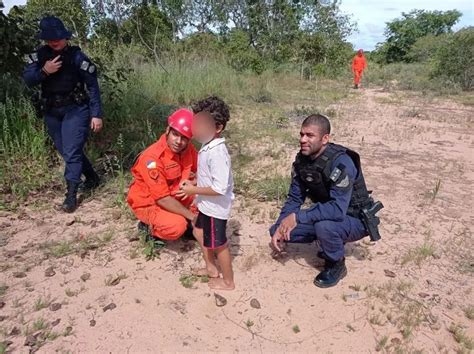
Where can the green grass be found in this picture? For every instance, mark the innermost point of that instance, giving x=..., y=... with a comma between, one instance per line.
x=249, y=323
x=272, y=189
x=419, y=254
x=460, y=336
x=469, y=311
x=78, y=246
x=39, y=324
x=188, y=280
x=296, y=329
x=3, y=348
x=381, y=343
x=26, y=152
x=42, y=303
x=3, y=289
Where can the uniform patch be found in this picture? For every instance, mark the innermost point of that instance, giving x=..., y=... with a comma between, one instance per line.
x=91, y=69
x=31, y=58
x=150, y=164
x=335, y=174
x=153, y=173
x=85, y=65
x=344, y=183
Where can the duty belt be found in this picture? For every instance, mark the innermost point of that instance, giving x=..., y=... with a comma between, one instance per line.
x=57, y=101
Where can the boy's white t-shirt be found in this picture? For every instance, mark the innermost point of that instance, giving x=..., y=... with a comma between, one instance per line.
x=214, y=170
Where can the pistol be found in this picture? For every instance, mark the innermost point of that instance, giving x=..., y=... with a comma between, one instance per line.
x=371, y=221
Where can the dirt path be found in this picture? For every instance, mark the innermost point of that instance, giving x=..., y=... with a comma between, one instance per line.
x=410, y=291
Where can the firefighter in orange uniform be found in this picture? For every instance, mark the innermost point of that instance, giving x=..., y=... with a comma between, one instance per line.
x=158, y=172
x=359, y=64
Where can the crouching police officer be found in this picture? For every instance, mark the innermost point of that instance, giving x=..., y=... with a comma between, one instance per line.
x=70, y=111
x=343, y=211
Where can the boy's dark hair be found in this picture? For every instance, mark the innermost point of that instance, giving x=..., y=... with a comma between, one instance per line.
x=216, y=107
x=319, y=120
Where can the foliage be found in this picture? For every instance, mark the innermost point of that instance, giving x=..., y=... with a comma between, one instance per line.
x=15, y=38
x=74, y=14
x=24, y=166
x=454, y=61
x=402, y=33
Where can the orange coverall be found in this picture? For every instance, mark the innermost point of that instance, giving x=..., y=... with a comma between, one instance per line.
x=157, y=173
x=359, y=63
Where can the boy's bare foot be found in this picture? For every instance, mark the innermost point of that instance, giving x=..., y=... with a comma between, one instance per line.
x=220, y=284
x=203, y=272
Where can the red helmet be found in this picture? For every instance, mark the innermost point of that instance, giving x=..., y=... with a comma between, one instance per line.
x=181, y=121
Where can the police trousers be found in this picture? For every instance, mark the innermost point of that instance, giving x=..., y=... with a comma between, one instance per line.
x=69, y=127
x=332, y=235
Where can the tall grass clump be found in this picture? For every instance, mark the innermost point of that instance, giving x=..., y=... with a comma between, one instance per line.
x=26, y=157
x=188, y=80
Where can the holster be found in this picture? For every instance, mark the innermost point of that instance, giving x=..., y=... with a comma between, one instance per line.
x=370, y=220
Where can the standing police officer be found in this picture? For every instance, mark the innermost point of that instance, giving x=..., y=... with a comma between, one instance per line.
x=342, y=210
x=64, y=73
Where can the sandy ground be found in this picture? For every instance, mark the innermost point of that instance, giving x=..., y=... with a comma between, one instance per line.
x=411, y=291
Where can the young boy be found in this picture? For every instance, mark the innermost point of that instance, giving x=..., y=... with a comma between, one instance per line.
x=214, y=191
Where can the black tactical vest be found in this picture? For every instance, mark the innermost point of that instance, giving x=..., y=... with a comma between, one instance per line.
x=317, y=179
x=66, y=79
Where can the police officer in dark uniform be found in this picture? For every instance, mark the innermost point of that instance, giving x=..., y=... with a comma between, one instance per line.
x=342, y=210
x=70, y=100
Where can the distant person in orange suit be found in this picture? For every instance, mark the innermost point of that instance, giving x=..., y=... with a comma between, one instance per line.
x=359, y=63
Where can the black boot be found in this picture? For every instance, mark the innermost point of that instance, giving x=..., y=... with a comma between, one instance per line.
x=356, y=86
x=322, y=255
x=70, y=203
x=146, y=229
x=332, y=273
x=92, y=181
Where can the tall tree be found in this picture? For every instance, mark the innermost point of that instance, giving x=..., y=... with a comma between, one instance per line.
x=74, y=14
x=402, y=33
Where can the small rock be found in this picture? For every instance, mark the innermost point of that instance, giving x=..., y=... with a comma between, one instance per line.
x=423, y=295
x=30, y=340
x=255, y=304
x=11, y=253
x=68, y=331
x=92, y=323
x=55, y=322
x=116, y=214
x=220, y=300
x=396, y=341
x=70, y=222
x=389, y=273
x=49, y=272
x=19, y=274
x=110, y=306
x=2, y=304
x=115, y=281
x=55, y=306
x=85, y=276
x=3, y=318
x=15, y=331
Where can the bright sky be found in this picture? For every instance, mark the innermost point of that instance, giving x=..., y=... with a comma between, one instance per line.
x=371, y=15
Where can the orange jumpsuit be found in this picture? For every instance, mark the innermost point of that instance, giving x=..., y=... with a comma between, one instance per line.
x=359, y=63
x=157, y=173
